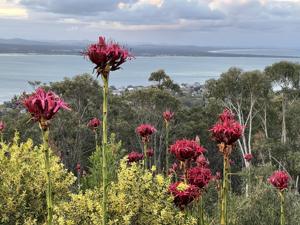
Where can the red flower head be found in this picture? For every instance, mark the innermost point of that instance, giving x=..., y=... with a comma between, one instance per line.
x=107, y=54
x=145, y=131
x=2, y=126
x=186, y=149
x=43, y=105
x=94, y=123
x=150, y=152
x=168, y=115
x=183, y=193
x=279, y=179
x=134, y=157
x=78, y=167
x=199, y=176
x=201, y=161
x=248, y=157
x=227, y=130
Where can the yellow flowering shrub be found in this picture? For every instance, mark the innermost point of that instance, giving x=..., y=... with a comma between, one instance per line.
x=22, y=182
x=83, y=209
x=140, y=197
x=137, y=197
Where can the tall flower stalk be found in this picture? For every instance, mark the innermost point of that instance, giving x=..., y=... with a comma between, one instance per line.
x=43, y=106
x=226, y=132
x=145, y=131
x=168, y=115
x=200, y=176
x=94, y=124
x=49, y=198
x=107, y=56
x=280, y=180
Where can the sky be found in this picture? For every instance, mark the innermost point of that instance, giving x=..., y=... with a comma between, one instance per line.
x=236, y=23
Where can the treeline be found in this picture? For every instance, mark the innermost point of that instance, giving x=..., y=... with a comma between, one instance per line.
x=266, y=102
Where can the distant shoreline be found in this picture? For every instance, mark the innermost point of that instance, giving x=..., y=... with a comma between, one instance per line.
x=208, y=54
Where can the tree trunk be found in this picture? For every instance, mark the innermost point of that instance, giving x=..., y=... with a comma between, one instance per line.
x=283, y=133
x=265, y=122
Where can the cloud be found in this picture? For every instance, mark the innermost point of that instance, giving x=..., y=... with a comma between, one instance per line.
x=73, y=7
x=165, y=14
x=213, y=19
x=9, y=10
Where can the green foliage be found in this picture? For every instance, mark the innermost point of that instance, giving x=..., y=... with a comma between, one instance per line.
x=164, y=81
x=263, y=207
x=114, y=154
x=285, y=74
x=23, y=182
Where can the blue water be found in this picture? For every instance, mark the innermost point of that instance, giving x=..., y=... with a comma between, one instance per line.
x=16, y=70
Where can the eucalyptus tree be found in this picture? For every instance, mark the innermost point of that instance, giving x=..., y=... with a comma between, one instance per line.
x=285, y=77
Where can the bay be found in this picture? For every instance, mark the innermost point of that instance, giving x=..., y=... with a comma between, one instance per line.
x=17, y=69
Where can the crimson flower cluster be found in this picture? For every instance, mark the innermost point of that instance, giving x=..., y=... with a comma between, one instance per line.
x=227, y=130
x=105, y=54
x=183, y=193
x=2, y=126
x=94, y=123
x=43, y=105
x=186, y=149
x=199, y=176
x=168, y=115
x=134, y=157
x=279, y=179
x=248, y=157
x=190, y=153
x=145, y=131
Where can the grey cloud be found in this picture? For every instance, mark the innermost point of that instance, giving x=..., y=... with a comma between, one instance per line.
x=73, y=7
x=95, y=10
x=169, y=13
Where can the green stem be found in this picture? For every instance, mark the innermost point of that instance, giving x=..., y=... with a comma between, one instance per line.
x=224, y=193
x=201, y=212
x=282, y=218
x=96, y=140
x=78, y=180
x=249, y=180
x=45, y=133
x=167, y=146
x=145, y=154
x=1, y=137
x=104, y=146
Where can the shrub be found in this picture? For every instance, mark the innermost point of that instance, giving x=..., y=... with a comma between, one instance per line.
x=113, y=156
x=22, y=182
x=263, y=207
x=83, y=208
x=140, y=197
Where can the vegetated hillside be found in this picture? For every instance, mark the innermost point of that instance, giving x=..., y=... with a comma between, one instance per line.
x=77, y=47
x=270, y=117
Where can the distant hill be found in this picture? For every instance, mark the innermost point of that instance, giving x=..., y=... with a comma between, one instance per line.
x=76, y=47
